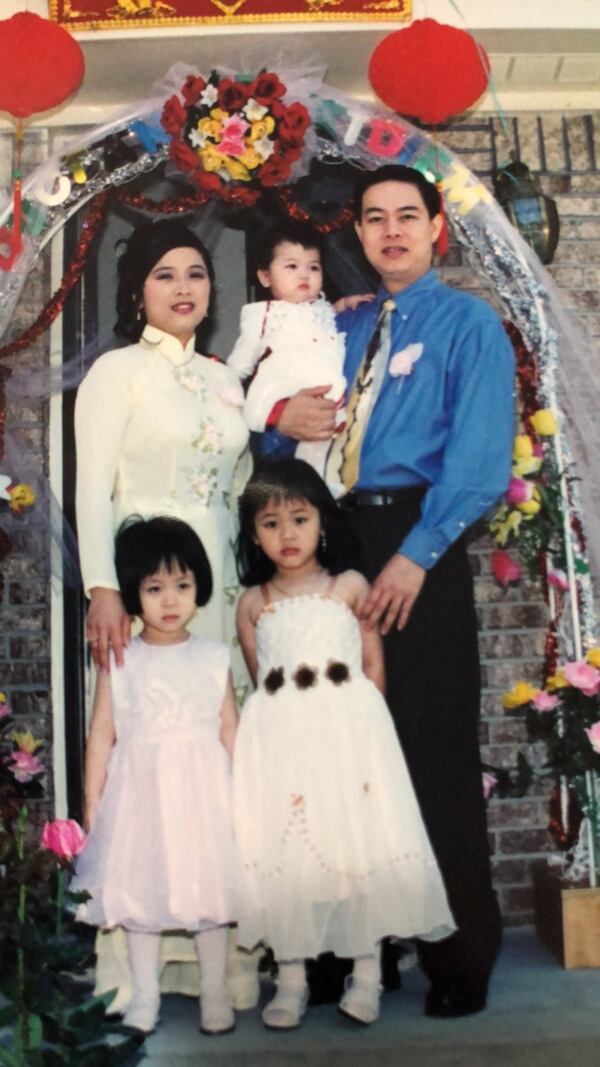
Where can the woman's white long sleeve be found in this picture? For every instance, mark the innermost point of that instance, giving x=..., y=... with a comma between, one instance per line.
x=102, y=410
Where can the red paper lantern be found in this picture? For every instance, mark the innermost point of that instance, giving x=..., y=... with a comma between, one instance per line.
x=40, y=64
x=429, y=71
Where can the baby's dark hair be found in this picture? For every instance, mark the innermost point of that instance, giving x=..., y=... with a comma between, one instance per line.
x=297, y=233
x=143, y=546
x=290, y=479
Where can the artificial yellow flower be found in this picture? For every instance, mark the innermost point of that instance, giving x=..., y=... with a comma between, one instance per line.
x=2, y=698
x=504, y=524
x=236, y=170
x=529, y=508
x=26, y=742
x=522, y=447
x=210, y=128
x=545, y=422
x=593, y=656
x=21, y=496
x=526, y=466
x=218, y=114
x=211, y=159
x=262, y=128
x=556, y=681
x=251, y=159
x=521, y=693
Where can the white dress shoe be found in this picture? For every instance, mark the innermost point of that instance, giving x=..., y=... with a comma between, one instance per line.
x=360, y=1002
x=216, y=1013
x=142, y=1013
x=287, y=1008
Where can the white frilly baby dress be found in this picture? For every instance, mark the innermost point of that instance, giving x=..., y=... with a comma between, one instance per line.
x=161, y=853
x=327, y=822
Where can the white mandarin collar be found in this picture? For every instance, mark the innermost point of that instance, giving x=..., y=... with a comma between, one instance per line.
x=169, y=346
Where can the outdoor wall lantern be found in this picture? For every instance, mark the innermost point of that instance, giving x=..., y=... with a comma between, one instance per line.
x=534, y=215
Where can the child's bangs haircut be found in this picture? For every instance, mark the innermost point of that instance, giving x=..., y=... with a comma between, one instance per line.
x=143, y=546
x=290, y=480
x=297, y=233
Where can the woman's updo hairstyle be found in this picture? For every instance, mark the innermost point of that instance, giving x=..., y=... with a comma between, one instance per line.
x=146, y=245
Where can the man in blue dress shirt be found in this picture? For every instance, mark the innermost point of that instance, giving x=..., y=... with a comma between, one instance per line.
x=434, y=457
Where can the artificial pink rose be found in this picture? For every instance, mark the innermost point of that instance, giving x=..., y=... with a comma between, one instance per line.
x=63, y=837
x=4, y=709
x=545, y=701
x=504, y=568
x=519, y=490
x=583, y=676
x=25, y=766
x=594, y=736
x=558, y=579
x=538, y=450
x=489, y=782
x=229, y=146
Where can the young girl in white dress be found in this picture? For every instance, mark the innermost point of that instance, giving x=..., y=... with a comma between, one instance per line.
x=161, y=853
x=326, y=819
x=291, y=342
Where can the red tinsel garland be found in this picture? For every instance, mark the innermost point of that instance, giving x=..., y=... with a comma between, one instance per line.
x=295, y=211
x=53, y=308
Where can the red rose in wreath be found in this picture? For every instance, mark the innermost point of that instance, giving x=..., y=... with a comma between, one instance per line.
x=173, y=116
x=275, y=171
x=192, y=89
x=183, y=156
x=296, y=121
x=266, y=89
x=232, y=96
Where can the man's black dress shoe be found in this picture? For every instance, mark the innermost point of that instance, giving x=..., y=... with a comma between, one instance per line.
x=453, y=1004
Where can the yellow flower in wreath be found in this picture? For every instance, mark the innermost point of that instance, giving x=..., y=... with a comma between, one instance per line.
x=218, y=114
x=530, y=508
x=593, y=656
x=211, y=128
x=251, y=159
x=545, y=422
x=522, y=447
x=21, y=496
x=504, y=524
x=521, y=693
x=262, y=128
x=211, y=159
x=556, y=681
x=26, y=742
x=236, y=169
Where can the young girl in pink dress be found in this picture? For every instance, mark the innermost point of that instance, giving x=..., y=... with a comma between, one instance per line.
x=327, y=822
x=160, y=853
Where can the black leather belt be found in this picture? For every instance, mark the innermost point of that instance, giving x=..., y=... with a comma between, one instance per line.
x=383, y=498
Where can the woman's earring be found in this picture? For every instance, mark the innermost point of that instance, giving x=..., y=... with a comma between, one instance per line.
x=323, y=541
x=139, y=315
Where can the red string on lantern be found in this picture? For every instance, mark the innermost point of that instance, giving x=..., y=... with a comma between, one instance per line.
x=429, y=71
x=41, y=66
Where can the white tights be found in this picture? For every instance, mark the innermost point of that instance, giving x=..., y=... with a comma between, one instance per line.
x=144, y=954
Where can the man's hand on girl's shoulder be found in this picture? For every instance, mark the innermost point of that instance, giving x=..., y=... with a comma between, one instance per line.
x=350, y=303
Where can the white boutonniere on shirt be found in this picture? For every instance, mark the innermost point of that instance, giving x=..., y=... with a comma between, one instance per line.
x=402, y=363
x=232, y=396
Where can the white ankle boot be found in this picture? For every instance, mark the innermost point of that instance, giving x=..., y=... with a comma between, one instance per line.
x=142, y=1013
x=216, y=1013
x=287, y=1007
x=360, y=1001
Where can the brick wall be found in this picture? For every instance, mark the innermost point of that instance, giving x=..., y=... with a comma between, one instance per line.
x=512, y=621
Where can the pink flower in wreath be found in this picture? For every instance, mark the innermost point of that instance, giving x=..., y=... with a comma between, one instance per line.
x=558, y=579
x=519, y=490
x=25, y=766
x=582, y=676
x=545, y=701
x=232, y=143
x=63, y=837
x=594, y=736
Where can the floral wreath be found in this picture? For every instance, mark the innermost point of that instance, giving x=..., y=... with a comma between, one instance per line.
x=234, y=138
